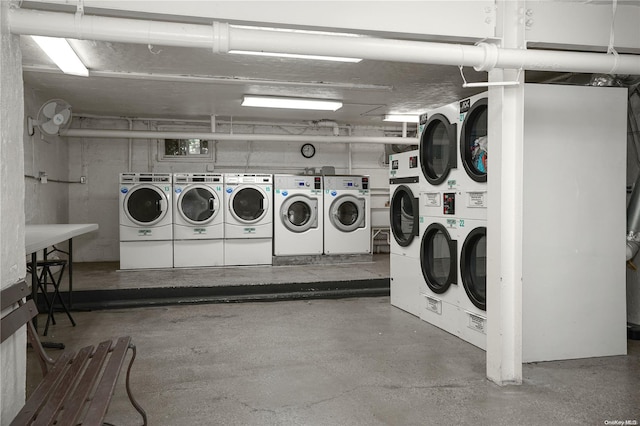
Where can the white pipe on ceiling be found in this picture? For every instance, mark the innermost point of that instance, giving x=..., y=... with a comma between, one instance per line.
x=142, y=134
x=222, y=37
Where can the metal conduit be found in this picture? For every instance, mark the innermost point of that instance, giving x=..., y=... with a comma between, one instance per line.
x=222, y=37
x=141, y=134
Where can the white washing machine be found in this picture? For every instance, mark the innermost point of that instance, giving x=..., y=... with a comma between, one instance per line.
x=146, y=224
x=472, y=278
x=439, y=288
x=347, y=215
x=198, y=220
x=404, y=187
x=439, y=147
x=440, y=180
x=298, y=215
x=248, y=219
x=473, y=158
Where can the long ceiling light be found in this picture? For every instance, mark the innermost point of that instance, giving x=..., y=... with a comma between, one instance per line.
x=401, y=118
x=60, y=52
x=291, y=103
x=297, y=56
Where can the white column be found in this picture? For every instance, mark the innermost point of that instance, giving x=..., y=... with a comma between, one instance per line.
x=505, y=183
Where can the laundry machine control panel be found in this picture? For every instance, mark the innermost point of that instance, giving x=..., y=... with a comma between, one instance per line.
x=449, y=203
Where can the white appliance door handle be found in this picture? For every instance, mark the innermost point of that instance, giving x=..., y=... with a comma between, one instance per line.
x=161, y=205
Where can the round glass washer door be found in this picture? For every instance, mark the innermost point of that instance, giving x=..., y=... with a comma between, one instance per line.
x=438, y=149
x=145, y=205
x=299, y=213
x=473, y=267
x=404, y=216
x=248, y=204
x=198, y=205
x=438, y=258
x=347, y=213
x=474, y=141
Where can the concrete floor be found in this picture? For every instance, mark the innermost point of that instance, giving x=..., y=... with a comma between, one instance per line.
x=353, y=361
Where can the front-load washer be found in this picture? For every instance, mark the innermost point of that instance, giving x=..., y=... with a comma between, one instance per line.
x=298, y=215
x=439, y=289
x=198, y=220
x=439, y=147
x=440, y=179
x=248, y=219
x=472, y=255
x=473, y=158
x=146, y=220
x=347, y=215
x=404, y=177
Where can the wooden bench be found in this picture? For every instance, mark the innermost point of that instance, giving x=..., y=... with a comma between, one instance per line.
x=78, y=386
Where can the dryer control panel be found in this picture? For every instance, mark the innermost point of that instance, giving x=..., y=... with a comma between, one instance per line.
x=449, y=203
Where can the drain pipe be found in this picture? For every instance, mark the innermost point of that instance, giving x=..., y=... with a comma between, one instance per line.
x=142, y=134
x=633, y=221
x=130, y=146
x=222, y=38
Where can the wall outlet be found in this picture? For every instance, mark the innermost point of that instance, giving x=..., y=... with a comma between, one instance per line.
x=83, y=179
x=43, y=177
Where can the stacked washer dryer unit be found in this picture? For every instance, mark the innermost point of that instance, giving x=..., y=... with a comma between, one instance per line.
x=298, y=206
x=146, y=225
x=439, y=290
x=347, y=215
x=404, y=187
x=248, y=219
x=472, y=219
x=198, y=227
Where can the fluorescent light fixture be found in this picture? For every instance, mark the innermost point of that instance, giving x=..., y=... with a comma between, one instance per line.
x=291, y=103
x=60, y=52
x=297, y=56
x=401, y=118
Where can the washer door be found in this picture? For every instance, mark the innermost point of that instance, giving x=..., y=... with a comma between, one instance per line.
x=438, y=258
x=474, y=142
x=404, y=216
x=473, y=267
x=347, y=213
x=299, y=213
x=248, y=204
x=438, y=146
x=145, y=205
x=198, y=205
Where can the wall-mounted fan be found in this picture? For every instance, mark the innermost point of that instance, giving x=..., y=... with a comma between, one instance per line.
x=53, y=116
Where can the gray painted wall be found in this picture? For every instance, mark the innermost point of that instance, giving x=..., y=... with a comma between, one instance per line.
x=12, y=256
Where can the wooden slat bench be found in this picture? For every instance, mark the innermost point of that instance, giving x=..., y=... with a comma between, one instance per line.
x=76, y=389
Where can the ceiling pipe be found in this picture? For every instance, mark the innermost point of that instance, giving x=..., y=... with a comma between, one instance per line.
x=222, y=37
x=142, y=134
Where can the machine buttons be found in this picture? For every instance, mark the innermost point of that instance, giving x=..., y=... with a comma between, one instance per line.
x=449, y=203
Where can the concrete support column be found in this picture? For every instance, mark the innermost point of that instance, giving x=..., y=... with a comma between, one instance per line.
x=505, y=183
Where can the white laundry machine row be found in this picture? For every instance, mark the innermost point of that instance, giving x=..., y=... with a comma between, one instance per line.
x=347, y=215
x=146, y=220
x=453, y=286
x=453, y=156
x=198, y=220
x=298, y=206
x=404, y=187
x=248, y=219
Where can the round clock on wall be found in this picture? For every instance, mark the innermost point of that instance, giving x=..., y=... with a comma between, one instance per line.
x=308, y=150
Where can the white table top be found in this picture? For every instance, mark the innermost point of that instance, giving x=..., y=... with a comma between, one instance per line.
x=39, y=237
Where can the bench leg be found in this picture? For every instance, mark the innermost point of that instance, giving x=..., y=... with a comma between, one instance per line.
x=131, y=398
